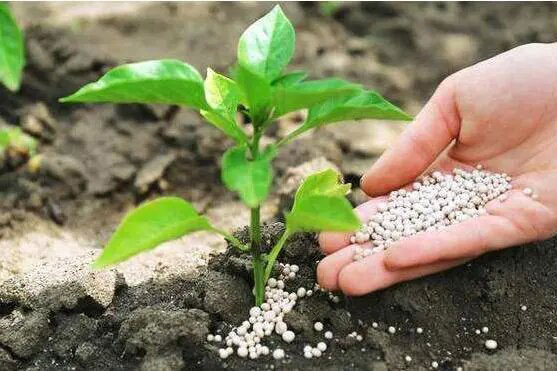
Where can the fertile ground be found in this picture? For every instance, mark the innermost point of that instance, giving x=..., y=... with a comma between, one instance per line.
x=155, y=311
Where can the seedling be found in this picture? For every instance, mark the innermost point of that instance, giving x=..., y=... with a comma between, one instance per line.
x=15, y=144
x=261, y=90
x=12, y=58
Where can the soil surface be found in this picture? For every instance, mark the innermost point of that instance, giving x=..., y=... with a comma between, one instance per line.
x=154, y=312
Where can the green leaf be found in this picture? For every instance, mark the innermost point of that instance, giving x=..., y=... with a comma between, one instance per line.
x=226, y=125
x=320, y=205
x=267, y=46
x=250, y=178
x=290, y=78
x=257, y=93
x=363, y=105
x=149, y=225
x=223, y=96
x=14, y=138
x=12, y=55
x=306, y=94
x=324, y=183
x=222, y=93
x=161, y=81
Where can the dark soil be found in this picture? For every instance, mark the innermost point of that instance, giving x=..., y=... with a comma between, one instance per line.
x=98, y=159
x=163, y=326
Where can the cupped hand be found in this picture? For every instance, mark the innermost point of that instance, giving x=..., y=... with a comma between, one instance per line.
x=500, y=113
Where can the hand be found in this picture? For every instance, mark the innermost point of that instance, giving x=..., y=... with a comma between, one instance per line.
x=501, y=113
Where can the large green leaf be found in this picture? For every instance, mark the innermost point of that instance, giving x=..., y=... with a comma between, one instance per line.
x=267, y=46
x=320, y=205
x=161, y=81
x=362, y=105
x=149, y=225
x=293, y=97
x=250, y=178
x=12, y=56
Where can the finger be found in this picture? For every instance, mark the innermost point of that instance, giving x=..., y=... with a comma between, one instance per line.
x=512, y=222
x=329, y=268
x=333, y=241
x=370, y=274
x=419, y=145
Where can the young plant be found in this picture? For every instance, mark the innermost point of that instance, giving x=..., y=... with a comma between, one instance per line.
x=15, y=144
x=12, y=58
x=260, y=89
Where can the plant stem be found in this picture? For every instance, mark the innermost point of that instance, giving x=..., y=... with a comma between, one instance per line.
x=257, y=259
x=272, y=257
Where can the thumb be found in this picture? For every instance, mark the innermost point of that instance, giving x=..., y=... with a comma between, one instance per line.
x=437, y=124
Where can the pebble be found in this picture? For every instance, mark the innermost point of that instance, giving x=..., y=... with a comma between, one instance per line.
x=321, y=346
x=491, y=344
x=318, y=326
x=408, y=359
x=485, y=329
x=392, y=330
x=434, y=364
x=374, y=325
x=419, y=330
x=328, y=335
x=436, y=202
x=524, y=308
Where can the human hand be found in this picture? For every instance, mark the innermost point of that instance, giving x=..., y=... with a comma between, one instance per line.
x=501, y=113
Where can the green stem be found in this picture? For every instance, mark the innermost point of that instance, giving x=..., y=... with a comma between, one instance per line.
x=233, y=240
x=257, y=259
x=272, y=257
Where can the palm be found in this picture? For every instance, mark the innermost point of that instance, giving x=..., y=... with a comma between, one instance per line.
x=501, y=113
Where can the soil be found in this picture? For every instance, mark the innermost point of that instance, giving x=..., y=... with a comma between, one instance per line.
x=154, y=312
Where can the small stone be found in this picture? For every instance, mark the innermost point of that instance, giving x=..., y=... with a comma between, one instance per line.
x=485, y=329
x=318, y=326
x=523, y=308
x=328, y=335
x=288, y=336
x=434, y=364
x=408, y=359
x=322, y=346
x=392, y=329
x=419, y=330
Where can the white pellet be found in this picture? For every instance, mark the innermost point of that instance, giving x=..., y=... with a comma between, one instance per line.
x=288, y=336
x=278, y=353
x=322, y=346
x=328, y=335
x=392, y=329
x=491, y=344
x=318, y=326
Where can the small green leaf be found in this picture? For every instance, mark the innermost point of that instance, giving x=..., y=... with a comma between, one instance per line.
x=161, y=81
x=226, y=125
x=320, y=205
x=363, y=105
x=222, y=93
x=149, y=225
x=12, y=55
x=257, y=93
x=324, y=183
x=250, y=178
x=307, y=94
x=14, y=138
x=290, y=78
x=267, y=46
